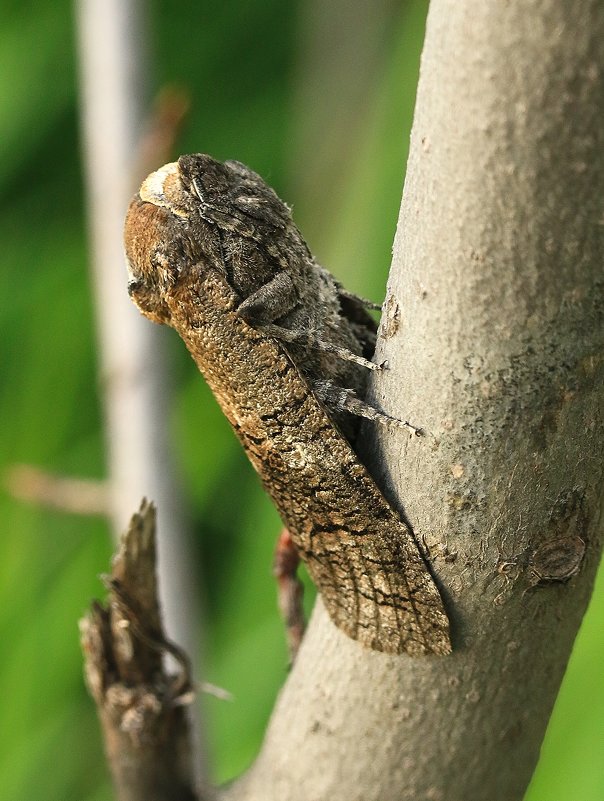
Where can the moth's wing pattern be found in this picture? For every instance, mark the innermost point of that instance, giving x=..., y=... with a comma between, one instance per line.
x=372, y=576
x=364, y=560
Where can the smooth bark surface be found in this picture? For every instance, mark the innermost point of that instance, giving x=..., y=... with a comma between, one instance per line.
x=493, y=329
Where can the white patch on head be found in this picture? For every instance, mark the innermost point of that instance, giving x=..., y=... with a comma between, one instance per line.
x=152, y=189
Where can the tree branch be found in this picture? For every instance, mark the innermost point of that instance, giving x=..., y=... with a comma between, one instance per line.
x=497, y=352
x=141, y=707
x=78, y=496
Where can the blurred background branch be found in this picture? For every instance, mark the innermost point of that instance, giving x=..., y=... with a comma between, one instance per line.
x=78, y=496
x=122, y=141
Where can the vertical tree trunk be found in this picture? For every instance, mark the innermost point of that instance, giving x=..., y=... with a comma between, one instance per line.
x=494, y=332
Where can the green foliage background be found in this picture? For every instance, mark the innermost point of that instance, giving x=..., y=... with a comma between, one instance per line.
x=240, y=62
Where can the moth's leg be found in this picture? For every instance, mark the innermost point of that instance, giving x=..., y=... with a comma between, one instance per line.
x=271, y=301
x=344, y=293
x=290, y=591
x=302, y=337
x=346, y=400
x=366, y=304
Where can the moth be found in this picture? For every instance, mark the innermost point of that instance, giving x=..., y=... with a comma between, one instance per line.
x=213, y=252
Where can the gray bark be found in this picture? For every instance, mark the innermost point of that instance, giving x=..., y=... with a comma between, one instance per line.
x=493, y=330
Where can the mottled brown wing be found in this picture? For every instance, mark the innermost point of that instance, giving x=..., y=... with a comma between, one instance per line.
x=365, y=562
x=373, y=579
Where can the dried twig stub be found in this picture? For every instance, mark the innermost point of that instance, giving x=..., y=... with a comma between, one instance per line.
x=290, y=591
x=140, y=705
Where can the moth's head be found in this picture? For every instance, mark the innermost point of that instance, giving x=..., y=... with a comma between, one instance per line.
x=194, y=183
x=187, y=212
x=165, y=188
x=158, y=240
